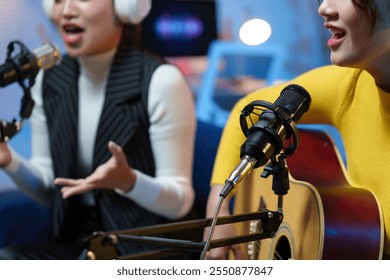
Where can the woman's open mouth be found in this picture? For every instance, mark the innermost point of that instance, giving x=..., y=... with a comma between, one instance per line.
x=71, y=33
x=338, y=36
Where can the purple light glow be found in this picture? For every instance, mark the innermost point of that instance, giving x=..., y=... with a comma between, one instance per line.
x=178, y=27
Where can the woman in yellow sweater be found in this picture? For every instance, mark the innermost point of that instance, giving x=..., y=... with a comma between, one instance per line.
x=353, y=95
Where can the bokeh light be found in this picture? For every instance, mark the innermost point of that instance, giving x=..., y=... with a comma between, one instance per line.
x=255, y=32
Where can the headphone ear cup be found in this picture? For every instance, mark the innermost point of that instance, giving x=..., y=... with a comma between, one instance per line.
x=132, y=11
x=48, y=7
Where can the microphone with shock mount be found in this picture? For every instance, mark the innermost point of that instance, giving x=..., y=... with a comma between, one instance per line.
x=265, y=139
x=25, y=64
x=22, y=66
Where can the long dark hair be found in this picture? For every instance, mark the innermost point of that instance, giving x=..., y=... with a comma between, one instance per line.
x=370, y=11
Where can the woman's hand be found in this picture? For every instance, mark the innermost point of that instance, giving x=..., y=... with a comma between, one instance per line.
x=5, y=155
x=115, y=173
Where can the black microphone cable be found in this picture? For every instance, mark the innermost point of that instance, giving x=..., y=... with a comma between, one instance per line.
x=212, y=227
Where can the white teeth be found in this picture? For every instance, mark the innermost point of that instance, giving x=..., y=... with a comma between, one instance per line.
x=335, y=31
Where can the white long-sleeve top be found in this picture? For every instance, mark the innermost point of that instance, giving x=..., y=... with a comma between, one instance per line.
x=172, y=131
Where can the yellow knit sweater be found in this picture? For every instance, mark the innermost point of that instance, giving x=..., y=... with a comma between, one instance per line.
x=347, y=99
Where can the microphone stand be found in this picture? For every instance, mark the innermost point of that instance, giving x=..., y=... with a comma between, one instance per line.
x=10, y=129
x=102, y=245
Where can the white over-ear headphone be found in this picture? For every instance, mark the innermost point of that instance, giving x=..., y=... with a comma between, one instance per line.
x=128, y=11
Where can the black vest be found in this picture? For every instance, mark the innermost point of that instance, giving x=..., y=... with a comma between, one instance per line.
x=124, y=120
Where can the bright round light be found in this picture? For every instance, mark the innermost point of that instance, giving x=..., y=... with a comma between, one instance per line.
x=255, y=32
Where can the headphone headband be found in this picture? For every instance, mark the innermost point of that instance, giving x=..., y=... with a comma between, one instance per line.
x=128, y=11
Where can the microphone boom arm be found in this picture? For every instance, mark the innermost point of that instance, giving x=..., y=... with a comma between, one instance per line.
x=101, y=245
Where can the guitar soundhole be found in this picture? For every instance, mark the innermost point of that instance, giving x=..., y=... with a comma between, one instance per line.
x=282, y=249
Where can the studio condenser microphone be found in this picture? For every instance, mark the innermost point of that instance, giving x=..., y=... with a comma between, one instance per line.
x=266, y=137
x=26, y=64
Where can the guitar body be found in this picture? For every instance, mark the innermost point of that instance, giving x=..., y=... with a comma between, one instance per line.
x=324, y=219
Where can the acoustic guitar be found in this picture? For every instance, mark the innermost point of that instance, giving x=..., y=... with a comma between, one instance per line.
x=324, y=216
